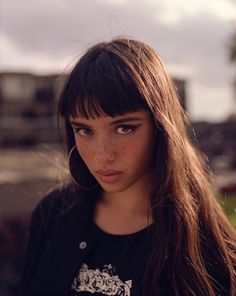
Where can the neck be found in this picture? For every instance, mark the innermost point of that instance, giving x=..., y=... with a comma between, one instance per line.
x=127, y=211
x=134, y=198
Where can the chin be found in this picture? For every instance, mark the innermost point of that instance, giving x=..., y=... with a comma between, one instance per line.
x=114, y=188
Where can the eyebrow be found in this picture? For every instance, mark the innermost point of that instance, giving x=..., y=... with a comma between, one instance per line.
x=117, y=121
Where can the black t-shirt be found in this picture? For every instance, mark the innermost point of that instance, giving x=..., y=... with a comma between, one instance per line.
x=115, y=266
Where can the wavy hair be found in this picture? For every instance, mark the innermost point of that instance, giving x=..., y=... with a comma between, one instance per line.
x=193, y=240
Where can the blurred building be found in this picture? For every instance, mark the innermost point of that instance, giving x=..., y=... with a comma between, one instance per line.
x=218, y=142
x=28, y=107
x=181, y=89
x=235, y=90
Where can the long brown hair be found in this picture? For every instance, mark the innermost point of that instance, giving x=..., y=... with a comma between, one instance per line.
x=193, y=240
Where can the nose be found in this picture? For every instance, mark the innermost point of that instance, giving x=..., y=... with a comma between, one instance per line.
x=104, y=152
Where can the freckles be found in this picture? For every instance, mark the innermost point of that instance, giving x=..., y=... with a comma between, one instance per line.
x=123, y=148
x=137, y=141
x=128, y=149
x=139, y=146
x=85, y=151
x=127, y=146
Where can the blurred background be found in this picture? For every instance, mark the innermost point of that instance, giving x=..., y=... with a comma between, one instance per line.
x=39, y=43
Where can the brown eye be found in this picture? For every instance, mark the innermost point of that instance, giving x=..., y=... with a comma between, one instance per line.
x=82, y=131
x=126, y=129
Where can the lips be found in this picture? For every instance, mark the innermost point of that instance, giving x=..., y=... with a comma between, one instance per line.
x=108, y=172
x=109, y=176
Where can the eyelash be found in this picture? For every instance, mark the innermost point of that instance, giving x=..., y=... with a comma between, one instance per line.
x=131, y=129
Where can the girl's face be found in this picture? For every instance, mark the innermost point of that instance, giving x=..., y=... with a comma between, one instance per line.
x=118, y=151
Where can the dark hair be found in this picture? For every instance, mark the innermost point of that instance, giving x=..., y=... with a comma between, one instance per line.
x=191, y=230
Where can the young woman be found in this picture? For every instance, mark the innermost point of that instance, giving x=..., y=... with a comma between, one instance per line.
x=139, y=216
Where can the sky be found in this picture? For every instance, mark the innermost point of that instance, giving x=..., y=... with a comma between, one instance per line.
x=191, y=36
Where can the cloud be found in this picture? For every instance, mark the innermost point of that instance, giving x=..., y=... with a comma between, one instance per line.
x=114, y=2
x=171, y=11
x=191, y=37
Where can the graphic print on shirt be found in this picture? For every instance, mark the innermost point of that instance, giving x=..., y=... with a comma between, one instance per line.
x=100, y=281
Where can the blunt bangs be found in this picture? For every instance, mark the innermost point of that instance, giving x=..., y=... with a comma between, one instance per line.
x=100, y=84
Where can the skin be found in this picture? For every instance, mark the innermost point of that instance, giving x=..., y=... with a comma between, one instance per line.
x=125, y=147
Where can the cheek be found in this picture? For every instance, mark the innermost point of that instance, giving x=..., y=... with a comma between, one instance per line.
x=134, y=151
x=85, y=152
x=137, y=150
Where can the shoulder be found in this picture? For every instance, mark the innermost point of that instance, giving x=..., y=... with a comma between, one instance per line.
x=54, y=204
x=56, y=199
